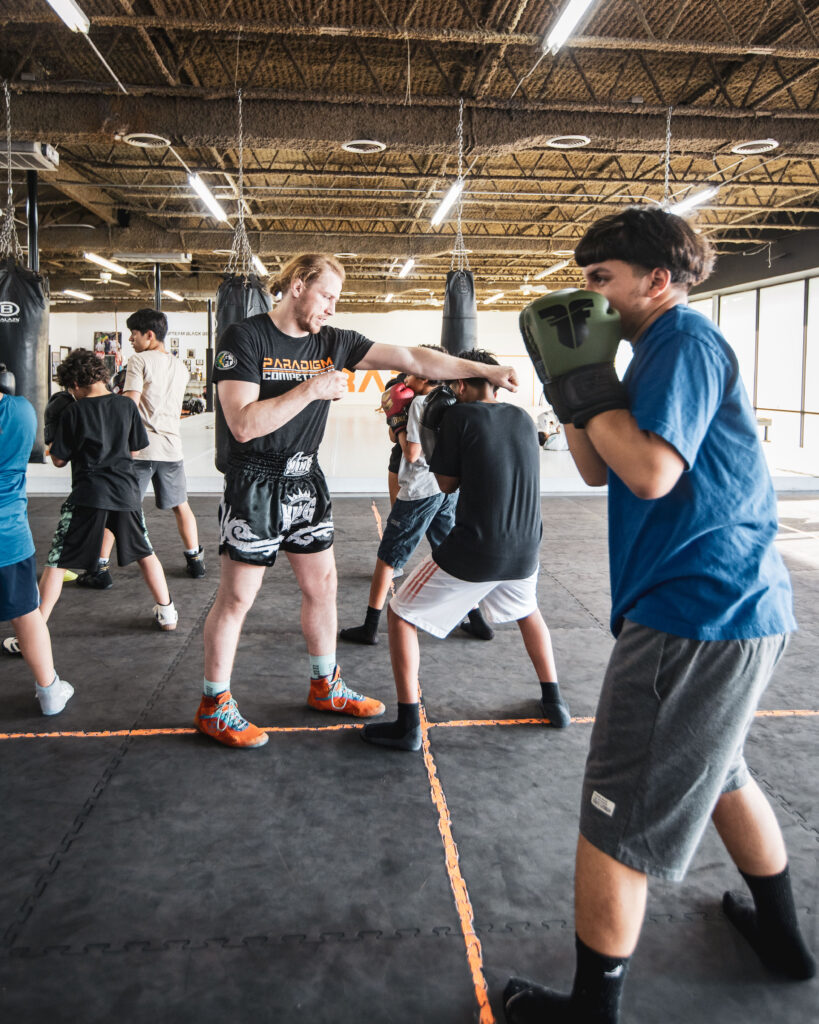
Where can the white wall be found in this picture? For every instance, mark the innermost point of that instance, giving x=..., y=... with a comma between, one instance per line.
x=497, y=331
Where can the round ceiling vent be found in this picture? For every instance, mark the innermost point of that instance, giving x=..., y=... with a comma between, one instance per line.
x=364, y=146
x=568, y=141
x=755, y=146
x=146, y=140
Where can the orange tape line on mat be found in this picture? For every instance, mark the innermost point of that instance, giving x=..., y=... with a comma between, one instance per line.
x=165, y=732
x=455, y=724
x=463, y=904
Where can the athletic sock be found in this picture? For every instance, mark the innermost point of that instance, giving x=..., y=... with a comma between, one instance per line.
x=770, y=924
x=477, y=626
x=595, y=996
x=192, y=551
x=553, y=705
x=366, y=634
x=402, y=734
x=322, y=665
x=211, y=689
x=102, y=563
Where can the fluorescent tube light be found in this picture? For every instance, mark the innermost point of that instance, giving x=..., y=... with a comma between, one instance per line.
x=551, y=270
x=77, y=295
x=404, y=271
x=207, y=197
x=259, y=267
x=172, y=295
x=493, y=298
x=101, y=261
x=692, y=200
x=388, y=297
x=447, y=203
x=566, y=24
x=71, y=15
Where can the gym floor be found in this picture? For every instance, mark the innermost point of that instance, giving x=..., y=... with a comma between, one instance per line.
x=153, y=875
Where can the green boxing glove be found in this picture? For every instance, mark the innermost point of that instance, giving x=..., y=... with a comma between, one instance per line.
x=572, y=338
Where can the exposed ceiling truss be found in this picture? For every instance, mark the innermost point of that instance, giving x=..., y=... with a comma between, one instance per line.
x=315, y=75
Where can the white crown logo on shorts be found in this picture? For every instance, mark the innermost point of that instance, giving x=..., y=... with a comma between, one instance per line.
x=298, y=464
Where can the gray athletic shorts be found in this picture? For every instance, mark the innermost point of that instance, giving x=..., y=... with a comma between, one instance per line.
x=667, y=742
x=168, y=478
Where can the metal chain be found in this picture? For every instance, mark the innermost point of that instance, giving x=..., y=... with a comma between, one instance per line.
x=9, y=242
x=666, y=191
x=459, y=254
x=241, y=255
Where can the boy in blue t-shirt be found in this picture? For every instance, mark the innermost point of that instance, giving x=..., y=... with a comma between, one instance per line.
x=19, y=597
x=701, y=609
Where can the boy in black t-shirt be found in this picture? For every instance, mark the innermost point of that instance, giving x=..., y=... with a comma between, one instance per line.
x=489, y=449
x=97, y=435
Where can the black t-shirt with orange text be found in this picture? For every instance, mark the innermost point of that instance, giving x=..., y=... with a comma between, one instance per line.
x=256, y=350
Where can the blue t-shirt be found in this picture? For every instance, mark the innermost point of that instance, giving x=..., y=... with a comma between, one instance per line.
x=699, y=562
x=18, y=426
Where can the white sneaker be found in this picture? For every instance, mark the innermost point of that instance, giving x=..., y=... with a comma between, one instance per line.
x=11, y=645
x=166, y=616
x=55, y=697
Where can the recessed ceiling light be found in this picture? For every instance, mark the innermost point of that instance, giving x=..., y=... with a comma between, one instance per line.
x=562, y=252
x=345, y=255
x=364, y=146
x=755, y=146
x=146, y=140
x=568, y=141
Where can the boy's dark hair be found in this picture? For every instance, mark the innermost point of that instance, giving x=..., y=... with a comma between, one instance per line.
x=479, y=355
x=145, y=320
x=81, y=368
x=648, y=237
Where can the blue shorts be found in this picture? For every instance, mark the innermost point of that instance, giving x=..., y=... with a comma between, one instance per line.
x=410, y=520
x=18, y=589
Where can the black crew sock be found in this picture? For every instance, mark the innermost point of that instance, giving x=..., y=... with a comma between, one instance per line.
x=595, y=996
x=366, y=634
x=402, y=734
x=770, y=924
x=477, y=626
x=553, y=706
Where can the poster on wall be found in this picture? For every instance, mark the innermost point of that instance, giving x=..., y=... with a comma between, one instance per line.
x=174, y=346
x=108, y=346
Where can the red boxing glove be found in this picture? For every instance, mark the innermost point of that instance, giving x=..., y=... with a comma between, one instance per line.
x=396, y=399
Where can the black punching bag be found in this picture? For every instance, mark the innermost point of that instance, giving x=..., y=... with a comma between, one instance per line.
x=459, y=331
x=24, y=337
x=237, y=298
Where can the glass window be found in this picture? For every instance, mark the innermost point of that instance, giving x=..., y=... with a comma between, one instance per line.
x=812, y=366
x=737, y=321
x=783, y=430
x=812, y=434
x=779, y=381
x=704, y=306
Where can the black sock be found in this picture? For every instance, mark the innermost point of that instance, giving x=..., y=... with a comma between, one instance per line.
x=770, y=925
x=594, y=999
x=478, y=626
x=554, y=707
x=402, y=734
x=366, y=634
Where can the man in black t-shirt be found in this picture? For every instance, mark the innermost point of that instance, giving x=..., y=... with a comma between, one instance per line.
x=97, y=435
x=489, y=449
x=276, y=374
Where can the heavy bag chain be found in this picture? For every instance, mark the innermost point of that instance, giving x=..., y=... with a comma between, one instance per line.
x=9, y=242
x=460, y=260
x=667, y=162
x=241, y=255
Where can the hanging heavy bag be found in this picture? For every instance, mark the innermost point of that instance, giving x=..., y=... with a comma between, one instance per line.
x=24, y=337
x=237, y=298
x=459, y=330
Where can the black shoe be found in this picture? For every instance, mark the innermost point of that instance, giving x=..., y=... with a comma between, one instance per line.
x=195, y=564
x=99, y=580
x=557, y=711
x=359, y=635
